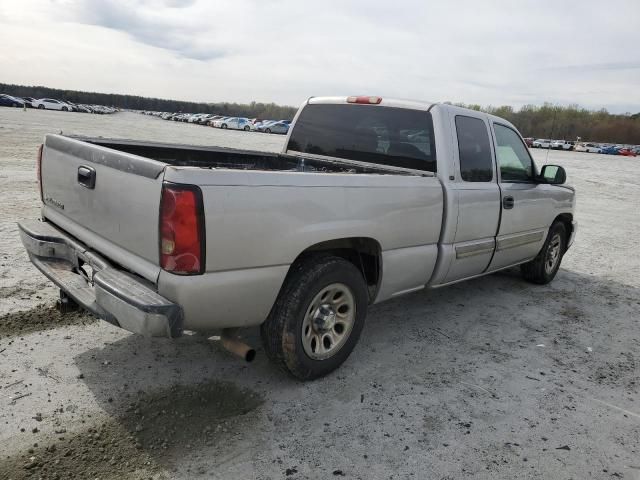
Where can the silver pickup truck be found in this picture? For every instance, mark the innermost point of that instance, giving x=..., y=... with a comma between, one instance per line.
x=370, y=199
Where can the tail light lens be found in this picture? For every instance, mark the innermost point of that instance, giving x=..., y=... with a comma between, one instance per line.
x=182, y=234
x=39, y=171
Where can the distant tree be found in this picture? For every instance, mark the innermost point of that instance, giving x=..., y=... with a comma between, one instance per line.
x=252, y=110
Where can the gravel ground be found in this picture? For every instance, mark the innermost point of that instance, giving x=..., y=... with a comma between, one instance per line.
x=493, y=378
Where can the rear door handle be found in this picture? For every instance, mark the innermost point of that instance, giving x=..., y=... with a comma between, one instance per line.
x=508, y=202
x=87, y=177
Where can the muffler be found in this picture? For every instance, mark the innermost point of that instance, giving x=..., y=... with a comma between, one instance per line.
x=232, y=344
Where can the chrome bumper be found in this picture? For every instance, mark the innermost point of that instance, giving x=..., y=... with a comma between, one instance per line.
x=108, y=292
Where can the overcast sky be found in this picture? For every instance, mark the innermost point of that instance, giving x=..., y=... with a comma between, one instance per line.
x=487, y=52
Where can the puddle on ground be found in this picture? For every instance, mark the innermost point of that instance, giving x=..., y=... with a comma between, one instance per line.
x=157, y=428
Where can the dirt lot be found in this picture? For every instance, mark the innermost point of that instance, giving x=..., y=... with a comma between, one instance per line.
x=494, y=378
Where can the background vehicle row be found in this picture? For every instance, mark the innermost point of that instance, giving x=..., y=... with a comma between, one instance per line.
x=226, y=122
x=52, y=104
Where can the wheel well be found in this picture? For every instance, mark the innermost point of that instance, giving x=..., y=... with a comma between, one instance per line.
x=567, y=221
x=363, y=252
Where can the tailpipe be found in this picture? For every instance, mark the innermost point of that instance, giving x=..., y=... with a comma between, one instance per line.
x=232, y=344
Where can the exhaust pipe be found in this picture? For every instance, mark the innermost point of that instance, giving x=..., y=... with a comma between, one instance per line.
x=232, y=344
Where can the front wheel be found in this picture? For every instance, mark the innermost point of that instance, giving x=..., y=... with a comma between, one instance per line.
x=65, y=109
x=246, y=129
x=318, y=316
x=268, y=130
x=223, y=126
x=543, y=268
x=41, y=107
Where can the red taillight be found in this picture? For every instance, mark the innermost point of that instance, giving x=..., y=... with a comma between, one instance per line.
x=182, y=235
x=364, y=99
x=39, y=171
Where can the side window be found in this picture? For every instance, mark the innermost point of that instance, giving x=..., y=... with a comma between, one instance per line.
x=513, y=158
x=476, y=164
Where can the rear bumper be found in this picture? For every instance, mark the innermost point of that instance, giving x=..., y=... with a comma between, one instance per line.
x=108, y=292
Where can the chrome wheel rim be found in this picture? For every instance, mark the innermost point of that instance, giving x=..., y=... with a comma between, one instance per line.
x=553, y=254
x=328, y=321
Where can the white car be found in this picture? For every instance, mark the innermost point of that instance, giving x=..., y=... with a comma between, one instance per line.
x=195, y=117
x=238, y=123
x=51, y=104
x=542, y=143
x=592, y=148
x=562, y=145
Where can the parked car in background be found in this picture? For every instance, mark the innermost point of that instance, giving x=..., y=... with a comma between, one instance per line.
x=609, y=150
x=51, y=104
x=218, y=121
x=627, y=152
x=541, y=143
x=10, y=101
x=28, y=101
x=212, y=121
x=529, y=141
x=238, y=123
x=260, y=126
x=277, y=127
x=593, y=148
x=562, y=145
x=204, y=119
x=84, y=109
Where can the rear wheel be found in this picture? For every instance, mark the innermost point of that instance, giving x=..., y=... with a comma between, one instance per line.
x=543, y=268
x=65, y=109
x=317, y=318
x=224, y=125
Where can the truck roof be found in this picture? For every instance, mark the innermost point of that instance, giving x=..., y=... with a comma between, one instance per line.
x=412, y=104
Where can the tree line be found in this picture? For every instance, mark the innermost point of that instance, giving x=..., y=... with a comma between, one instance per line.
x=569, y=123
x=546, y=121
x=134, y=102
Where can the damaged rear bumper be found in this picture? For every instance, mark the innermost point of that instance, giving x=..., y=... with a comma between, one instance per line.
x=120, y=298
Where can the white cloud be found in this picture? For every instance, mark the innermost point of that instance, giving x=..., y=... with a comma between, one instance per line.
x=493, y=52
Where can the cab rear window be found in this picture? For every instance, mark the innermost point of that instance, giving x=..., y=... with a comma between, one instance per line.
x=382, y=135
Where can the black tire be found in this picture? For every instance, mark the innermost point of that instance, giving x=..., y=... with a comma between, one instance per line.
x=268, y=130
x=246, y=129
x=224, y=125
x=539, y=270
x=65, y=109
x=41, y=107
x=283, y=330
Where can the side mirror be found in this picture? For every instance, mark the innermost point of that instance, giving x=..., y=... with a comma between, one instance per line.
x=553, y=174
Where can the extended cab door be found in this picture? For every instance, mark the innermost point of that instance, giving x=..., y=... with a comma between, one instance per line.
x=478, y=196
x=526, y=205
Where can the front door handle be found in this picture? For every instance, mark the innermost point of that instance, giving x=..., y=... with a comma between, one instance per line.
x=508, y=202
x=87, y=177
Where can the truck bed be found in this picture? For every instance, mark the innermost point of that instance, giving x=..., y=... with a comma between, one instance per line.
x=229, y=158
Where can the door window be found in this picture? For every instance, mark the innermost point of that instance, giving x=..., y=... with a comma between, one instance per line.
x=473, y=149
x=513, y=158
